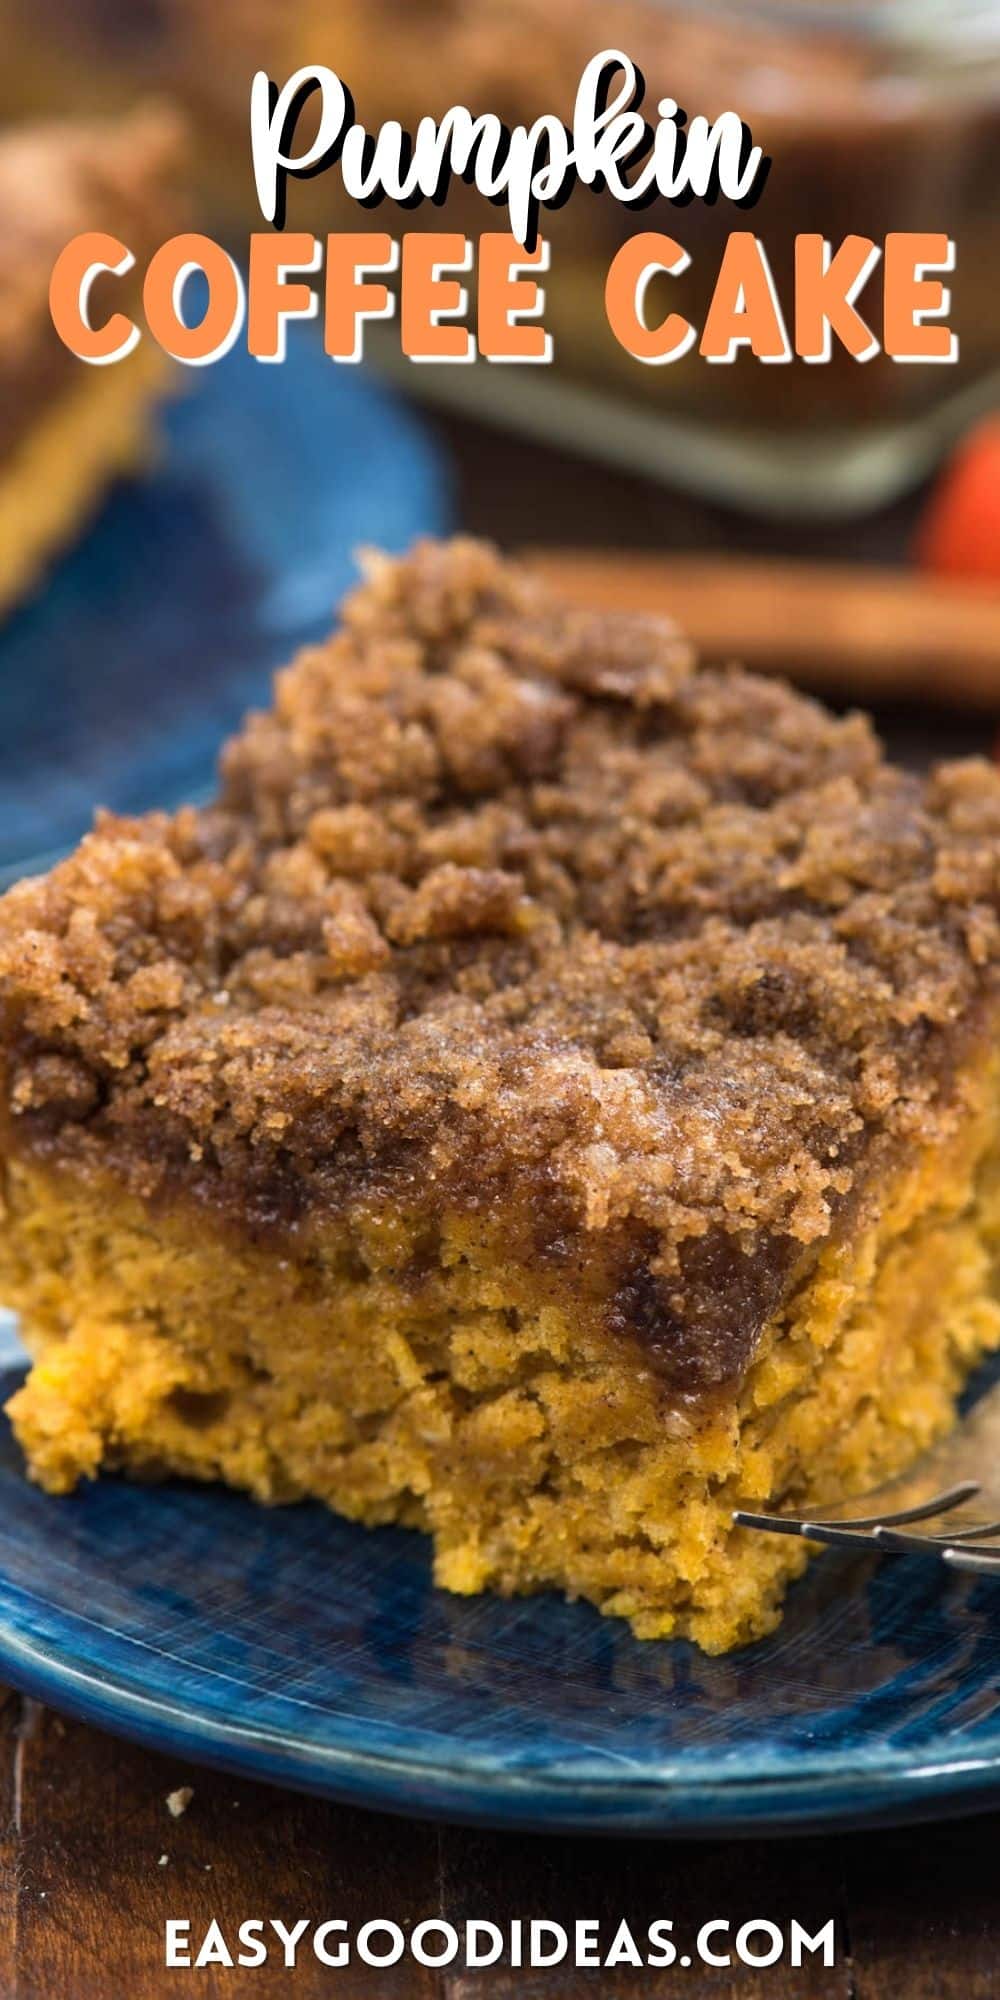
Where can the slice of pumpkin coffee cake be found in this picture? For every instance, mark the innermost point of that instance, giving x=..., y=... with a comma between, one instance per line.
x=549, y=1096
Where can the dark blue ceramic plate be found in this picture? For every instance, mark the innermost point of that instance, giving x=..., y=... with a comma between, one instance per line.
x=119, y=680
x=292, y=1646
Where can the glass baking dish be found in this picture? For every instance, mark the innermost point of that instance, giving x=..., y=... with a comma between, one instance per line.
x=877, y=117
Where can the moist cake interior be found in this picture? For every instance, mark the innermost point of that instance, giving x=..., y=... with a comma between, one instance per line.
x=549, y=1097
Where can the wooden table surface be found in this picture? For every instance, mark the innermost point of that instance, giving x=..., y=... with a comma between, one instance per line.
x=83, y=1897
x=84, y=1824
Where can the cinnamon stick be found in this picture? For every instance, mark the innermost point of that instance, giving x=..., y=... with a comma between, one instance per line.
x=874, y=634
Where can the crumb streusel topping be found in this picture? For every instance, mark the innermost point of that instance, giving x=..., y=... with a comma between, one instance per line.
x=505, y=900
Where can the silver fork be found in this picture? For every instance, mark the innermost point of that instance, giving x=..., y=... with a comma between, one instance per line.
x=946, y=1505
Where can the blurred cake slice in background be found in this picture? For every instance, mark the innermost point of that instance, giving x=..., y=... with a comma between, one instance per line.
x=68, y=430
x=98, y=56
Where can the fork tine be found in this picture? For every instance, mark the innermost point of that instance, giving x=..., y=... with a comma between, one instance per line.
x=981, y=1532
x=986, y=1562
x=776, y=1524
x=939, y=1503
x=850, y=1532
x=847, y=1537
x=833, y=1536
x=903, y=1544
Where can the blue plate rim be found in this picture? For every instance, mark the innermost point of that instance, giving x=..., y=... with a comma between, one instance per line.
x=822, y=1791
x=429, y=1775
